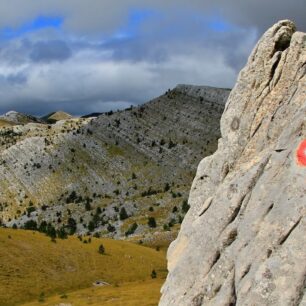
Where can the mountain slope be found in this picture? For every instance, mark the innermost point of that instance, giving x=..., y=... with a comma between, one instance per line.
x=113, y=171
x=15, y=118
x=56, y=116
x=243, y=240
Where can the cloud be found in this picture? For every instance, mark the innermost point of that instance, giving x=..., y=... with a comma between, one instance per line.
x=84, y=56
x=97, y=15
x=46, y=51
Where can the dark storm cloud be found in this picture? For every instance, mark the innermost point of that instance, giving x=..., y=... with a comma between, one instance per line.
x=47, y=51
x=106, y=55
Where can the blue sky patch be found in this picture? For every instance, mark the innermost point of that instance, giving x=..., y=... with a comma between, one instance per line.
x=38, y=23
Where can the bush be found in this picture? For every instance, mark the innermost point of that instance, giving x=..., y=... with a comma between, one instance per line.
x=167, y=187
x=50, y=231
x=111, y=228
x=152, y=222
x=30, y=225
x=91, y=226
x=166, y=227
x=123, y=214
x=132, y=229
x=185, y=206
x=101, y=249
x=153, y=274
x=61, y=233
x=30, y=210
x=72, y=226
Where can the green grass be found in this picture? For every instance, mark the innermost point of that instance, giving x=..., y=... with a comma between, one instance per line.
x=33, y=268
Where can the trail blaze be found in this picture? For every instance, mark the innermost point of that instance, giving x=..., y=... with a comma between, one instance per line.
x=301, y=153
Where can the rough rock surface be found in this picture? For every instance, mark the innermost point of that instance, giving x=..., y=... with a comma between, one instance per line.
x=243, y=240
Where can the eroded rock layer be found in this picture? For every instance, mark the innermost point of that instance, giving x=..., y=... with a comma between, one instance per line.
x=243, y=240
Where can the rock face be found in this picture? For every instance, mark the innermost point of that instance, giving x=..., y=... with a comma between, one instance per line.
x=243, y=240
x=104, y=174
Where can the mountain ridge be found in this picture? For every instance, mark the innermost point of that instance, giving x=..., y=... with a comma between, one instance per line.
x=133, y=165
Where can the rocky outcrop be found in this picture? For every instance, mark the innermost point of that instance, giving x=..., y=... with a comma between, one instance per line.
x=243, y=240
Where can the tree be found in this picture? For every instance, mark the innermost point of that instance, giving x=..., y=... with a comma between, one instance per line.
x=72, y=226
x=123, y=214
x=132, y=229
x=30, y=225
x=153, y=274
x=185, y=207
x=167, y=187
x=152, y=222
x=61, y=233
x=91, y=226
x=101, y=249
x=51, y=231
x=111, y=228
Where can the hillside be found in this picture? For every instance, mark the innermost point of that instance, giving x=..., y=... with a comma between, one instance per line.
x=34, y=269
x=123, y=172
x=56, y=116
x=243, y=240
x=15, y=118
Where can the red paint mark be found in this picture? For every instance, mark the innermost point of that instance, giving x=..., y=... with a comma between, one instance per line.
x=301, y=153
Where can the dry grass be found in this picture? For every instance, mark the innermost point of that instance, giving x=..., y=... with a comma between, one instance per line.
x=4, y=123
x=32, y=265
x=131, y=294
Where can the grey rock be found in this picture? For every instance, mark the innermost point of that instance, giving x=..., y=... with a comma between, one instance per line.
x=247, y=247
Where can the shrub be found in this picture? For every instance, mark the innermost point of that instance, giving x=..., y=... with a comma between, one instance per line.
x=61, y=233
x=30, y=210
x=123, y=214
x=72, y=226
x=111, y=228
x=166, y=227
x=101, y=249
x=132, y=229
x=152, y=222
x=91, y=226
x=30, y=225
x=50, y=231
x=153, y=274
x=185, y=206
x=167, y=187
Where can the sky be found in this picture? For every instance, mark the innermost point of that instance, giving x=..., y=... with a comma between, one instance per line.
x=95, y=55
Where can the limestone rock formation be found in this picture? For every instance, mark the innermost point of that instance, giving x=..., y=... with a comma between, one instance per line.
x=243, y=240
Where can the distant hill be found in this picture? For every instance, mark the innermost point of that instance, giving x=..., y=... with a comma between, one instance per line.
x=121, y=174
x=56, y=116
x=15, y=118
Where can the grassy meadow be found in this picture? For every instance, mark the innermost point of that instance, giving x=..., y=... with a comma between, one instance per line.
x=36, y=271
